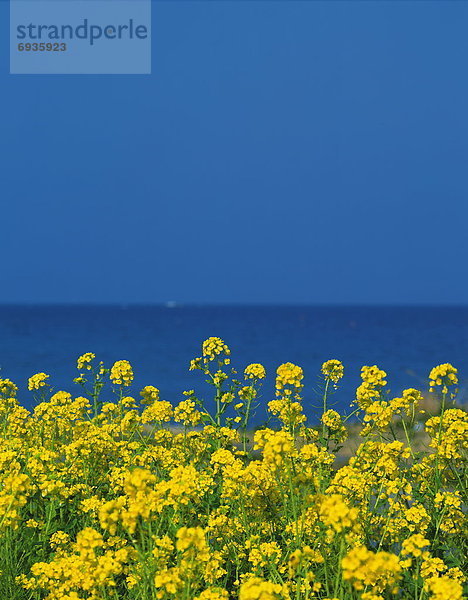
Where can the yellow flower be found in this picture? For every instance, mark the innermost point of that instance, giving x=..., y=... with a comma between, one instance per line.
x=87, y=540
x=191, y=537
x=192, y=512
x=85, y=360
x=363, y=568
x=333, y=369
x=255, y=371
x=32, y=523
x=331, y=419
x=276, y=445
x=414, y=545
x=335, y=513
x=443, y=375
x=380, y=412
x=409, y=401
x=37, y=381
x=215, y=593
x=149, y=394
x=256, y=588
x=8, y=388
x=121, y=373
x=59, y=538
x=264, y=554
x=449, y=433
x=186, y=413
x=195, y=364
x=289, y=374
x=373, y=378
x=168, y=580
x=443, y=588
x=213, y=347
x=160, y=412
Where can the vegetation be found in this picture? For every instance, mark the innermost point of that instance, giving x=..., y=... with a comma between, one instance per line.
x=143, y=500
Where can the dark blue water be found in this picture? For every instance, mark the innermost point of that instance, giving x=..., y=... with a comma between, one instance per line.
x=160, y=341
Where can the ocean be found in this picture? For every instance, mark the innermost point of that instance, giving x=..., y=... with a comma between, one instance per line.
x=160, y=341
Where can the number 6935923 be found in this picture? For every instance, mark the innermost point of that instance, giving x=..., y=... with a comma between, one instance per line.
x=42, y=47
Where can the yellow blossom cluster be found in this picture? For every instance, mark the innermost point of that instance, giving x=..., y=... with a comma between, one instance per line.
x=443, y=376
x=213, y=347
x=84, y=361
x=414, y=546
x=363, y=568
x=287, y=406
x=160, y=411
x=449, y=433
x=333, y=370
x=121, y=373
x=7, y=388
x=336, y=428
x=256, y=588
x=336, y=514
x=289, y=375
x=37, y=381
x=186, y=413
x=373, y=379
x=407, y=404
x=106, y=495
x=149, y=394
x=255, y=371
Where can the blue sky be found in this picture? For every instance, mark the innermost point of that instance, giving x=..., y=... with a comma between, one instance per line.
x=280, y=152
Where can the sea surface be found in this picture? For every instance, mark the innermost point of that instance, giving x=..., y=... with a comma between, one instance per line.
x=160, y=341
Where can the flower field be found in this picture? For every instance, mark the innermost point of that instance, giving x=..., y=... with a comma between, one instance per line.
x=106, y=495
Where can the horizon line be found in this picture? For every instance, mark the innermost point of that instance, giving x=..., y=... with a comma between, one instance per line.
x=171, y=304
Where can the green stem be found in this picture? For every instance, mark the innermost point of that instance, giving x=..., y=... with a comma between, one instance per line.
x=407, y=437
x=324, y=427
x=338, y=570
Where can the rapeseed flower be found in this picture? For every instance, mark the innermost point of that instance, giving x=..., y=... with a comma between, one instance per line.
x=100, y=498
x=121, y=373
x=38, y=381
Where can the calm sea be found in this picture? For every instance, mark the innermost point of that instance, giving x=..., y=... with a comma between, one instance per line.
x=159, y=342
